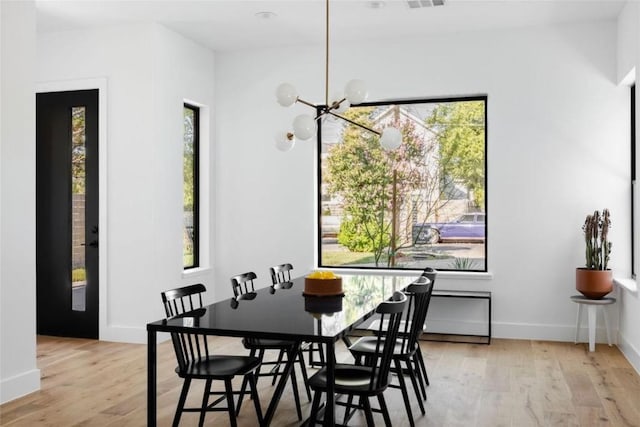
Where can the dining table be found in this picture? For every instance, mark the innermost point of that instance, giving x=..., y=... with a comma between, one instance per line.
x=282, y=313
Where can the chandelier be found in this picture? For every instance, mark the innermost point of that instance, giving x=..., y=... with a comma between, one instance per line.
x=305, y=125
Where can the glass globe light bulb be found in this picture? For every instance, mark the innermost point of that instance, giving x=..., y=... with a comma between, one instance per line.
x=390, y=139
x=284, y=141
x=355, y=92
x=304, y=127
x=286, y=94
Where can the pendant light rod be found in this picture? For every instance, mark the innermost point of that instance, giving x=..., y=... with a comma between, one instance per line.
x=326, y=62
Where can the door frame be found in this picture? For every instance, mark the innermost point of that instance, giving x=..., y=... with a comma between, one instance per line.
x=101, y=85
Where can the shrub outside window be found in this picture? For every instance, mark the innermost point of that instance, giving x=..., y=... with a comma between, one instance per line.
x=422, y=205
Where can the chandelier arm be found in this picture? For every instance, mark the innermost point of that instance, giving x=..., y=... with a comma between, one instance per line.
x=302, y=101
x=321, y=114
x=354, y=123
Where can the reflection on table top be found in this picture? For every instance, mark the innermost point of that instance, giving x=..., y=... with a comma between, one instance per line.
x=283, y=313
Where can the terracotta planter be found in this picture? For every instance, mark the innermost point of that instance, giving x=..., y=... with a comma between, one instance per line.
x=594, y=284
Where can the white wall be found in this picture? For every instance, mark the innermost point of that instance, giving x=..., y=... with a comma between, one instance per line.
x=149, y=71
x=558, y=145
x=628, y=65
x=627, y=42
x=18, y=371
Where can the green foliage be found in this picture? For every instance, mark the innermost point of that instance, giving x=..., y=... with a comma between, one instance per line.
x=78, y=150
x=361, y=237
x=188, y=159
x=78, y=275
x=596, y=236
x=346, y=258
x=460, y=128
x=462, y=264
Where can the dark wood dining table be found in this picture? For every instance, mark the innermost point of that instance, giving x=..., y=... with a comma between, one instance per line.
x=282, y=314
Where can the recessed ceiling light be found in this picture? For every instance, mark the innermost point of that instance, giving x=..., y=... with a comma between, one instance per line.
x=266, y=15
x=376, y=4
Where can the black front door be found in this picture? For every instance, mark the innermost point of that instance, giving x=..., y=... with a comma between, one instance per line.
x=67, y=213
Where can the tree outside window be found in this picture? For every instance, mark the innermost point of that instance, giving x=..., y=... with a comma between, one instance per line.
x=421, y=205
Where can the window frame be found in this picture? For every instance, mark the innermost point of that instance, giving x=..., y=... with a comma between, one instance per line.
x=319, y=183
x=633, y=177
x=196, y=185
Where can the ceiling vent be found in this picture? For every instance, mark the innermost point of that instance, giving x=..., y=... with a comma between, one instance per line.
x=417, y=4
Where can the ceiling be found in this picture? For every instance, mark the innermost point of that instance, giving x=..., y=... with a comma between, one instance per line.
x=224, y=25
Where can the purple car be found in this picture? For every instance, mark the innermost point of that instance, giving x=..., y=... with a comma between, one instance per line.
x=468, y=227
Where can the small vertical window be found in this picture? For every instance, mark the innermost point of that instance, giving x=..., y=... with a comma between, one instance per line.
x=190, y=161
x=633, y=177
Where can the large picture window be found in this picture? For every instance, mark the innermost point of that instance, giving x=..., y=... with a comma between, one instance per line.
x=190, y=161
x=422, y=205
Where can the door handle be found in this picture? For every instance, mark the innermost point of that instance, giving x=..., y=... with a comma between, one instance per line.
x=93, y=244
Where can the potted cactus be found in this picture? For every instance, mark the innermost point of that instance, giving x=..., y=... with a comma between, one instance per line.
x=596, y=280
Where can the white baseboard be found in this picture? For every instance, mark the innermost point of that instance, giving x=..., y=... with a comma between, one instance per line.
x=520, y=331
x=19, y=385
x=630, y=352
x=127, y=334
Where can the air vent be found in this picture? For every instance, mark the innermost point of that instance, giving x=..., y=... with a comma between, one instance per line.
x=417, y=4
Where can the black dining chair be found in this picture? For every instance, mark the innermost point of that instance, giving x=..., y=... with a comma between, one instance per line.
x=423, y=379
x=196, y=361
x=243, y=284
x=180, y=300
x=281, y=279
x=431, y=274
x=372, y=378
x=280, y=274
x=405, y=351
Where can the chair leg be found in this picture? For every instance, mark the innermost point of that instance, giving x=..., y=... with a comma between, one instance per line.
x=305, y=378
x=296, y=394
x=313, y=348
x=205, y=402
x=276, y=368
x=414, y=382
x=314, y=408
x=349, y=411
x=261, y=358
x=229, y=392
x=405, y=395
x=243, y=388
x=423, y=368
x=183, y=398
x=384, y=410
x=368, y=413
x=421, y=379
x=256, y=399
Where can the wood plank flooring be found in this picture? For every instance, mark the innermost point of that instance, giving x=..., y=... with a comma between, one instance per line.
x=508, y=383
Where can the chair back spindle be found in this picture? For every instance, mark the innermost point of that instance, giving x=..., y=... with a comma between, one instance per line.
x=419, y=295
x=390, y=315
x=182, y=300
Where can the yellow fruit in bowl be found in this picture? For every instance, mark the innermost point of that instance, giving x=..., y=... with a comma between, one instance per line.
x=322, y=275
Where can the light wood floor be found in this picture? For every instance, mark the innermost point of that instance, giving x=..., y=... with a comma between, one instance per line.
x=508, y=383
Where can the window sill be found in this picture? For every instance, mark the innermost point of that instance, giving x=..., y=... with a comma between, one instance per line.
x=465, y=275
x=195, y=272
x=626, y=283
